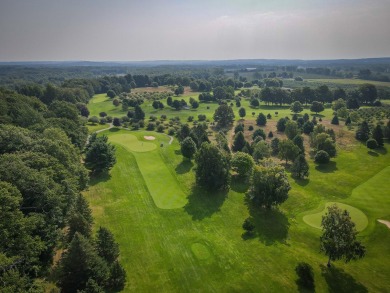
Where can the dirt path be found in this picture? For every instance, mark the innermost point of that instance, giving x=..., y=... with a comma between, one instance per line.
x=384, y=222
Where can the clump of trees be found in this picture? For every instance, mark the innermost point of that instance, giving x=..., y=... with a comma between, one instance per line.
x=99, y=154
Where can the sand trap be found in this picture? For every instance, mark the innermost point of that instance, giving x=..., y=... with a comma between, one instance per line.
x=384, y=222
x=149, y=137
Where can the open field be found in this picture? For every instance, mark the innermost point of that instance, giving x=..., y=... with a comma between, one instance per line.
x=200, y=246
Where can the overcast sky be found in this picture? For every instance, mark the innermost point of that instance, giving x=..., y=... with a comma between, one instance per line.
x=126, y=30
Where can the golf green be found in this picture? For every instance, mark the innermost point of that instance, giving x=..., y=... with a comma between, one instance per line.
x=161, y=183
x=357, y=216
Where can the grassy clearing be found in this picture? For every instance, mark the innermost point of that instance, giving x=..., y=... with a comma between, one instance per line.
x=357, y=216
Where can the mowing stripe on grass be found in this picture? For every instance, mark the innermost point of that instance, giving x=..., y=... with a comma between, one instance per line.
x=162, y=185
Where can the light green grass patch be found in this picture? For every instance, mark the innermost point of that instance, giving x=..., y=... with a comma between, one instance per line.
x=131, y=142
x=200, y=251
x=357, y=216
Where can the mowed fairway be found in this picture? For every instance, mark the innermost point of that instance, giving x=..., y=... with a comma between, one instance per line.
x=357, y=216
x=162, y=185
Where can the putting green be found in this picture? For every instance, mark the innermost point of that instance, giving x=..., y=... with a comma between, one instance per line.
x=357, y=216
x=161, y=183
x=132, y=143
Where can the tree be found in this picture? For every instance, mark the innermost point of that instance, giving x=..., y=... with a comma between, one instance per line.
x=368, y=93
x=258, y=133
x=321, y=157
x=269, y=185
x=169, y=101
x=281, y=124
x=317, y=107
x=242, y=112
x=338, y=104
x=348, y=121
x=242, y=164
x=363, y=132
x=296, y=107
x=239, y=142
x=292, y=129
x=106, y=246
x=195, y=105
x=80, y=218
x=213, y=168
x=298, y=141
x=239, y=127
x=261, y=120
x=308, y=127
x=80, y=263
x=111, y=94
x=275, y=146
x=338, y=240
x=138, y=113
x=224, y=115
x=248, y=225
x=116, y=122
x=371, y=143
x=288, y=150
x=335, y=120
x=156, y=104
x=324, y=142
x=116, y=102
x=261, y=150
x=100, y=155
x=117, y=279
x=188, y=148
x=377, y=134
x=300, y=168
x=255, y=103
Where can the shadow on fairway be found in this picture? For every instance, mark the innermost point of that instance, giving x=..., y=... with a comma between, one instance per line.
x=381, y=150
x=114, y=129
x=95, y=179
x=203, y=204
x=341, y=282
x=271, y=225
x=184, y=167
x=327, y=168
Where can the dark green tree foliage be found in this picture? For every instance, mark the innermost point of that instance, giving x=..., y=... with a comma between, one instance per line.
x=306, y=117
x=239, y=127
x=269, y=185
x=79, y=264
x=242, y=112
x=80, y=219
x=363, y=132
x=335, y=120
x=377, y=134
x=322, y=157
x=111, y=94
x=288, y=150
x=242, y=164
x=213, y=168
x=371, y=143
x=317, y=107
x=298, y=141
x=116, y=122
x=222, y=143
x=281, y=124
x=292, y=129
x=308, y=127
x=91, y=287
x=183, y=132
x=106, y=246
x=199, y=134
x=139, y=114
x=224, y=115
x=261, y=150
x=188, y=148
x=248, y=225
x=296, y=107
x=275, y=146
x=117, y=279
x=306, y=275
x=338, y=240
x=239, y=142
x=258, y=133
x=348, y=121
x=261, y=120
x=324, y=142
x=300, y=168
x=100, y=155
x=368, y=93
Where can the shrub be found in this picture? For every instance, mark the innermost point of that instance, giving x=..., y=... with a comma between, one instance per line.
x=269, y=116
x=201, y=117
x=335, y=120
x=151, y=126
x=270, y=134
x=248, y=225
x=372, y=144
x=171, y=131
x=321, y=157
x=160, y=128
x=250, y=128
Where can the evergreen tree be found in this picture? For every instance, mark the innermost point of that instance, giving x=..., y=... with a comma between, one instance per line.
x=348, y=121
x=300, y=168
x=261, y=120
x=80, y=219
x=138, y=113
x=224, y=115
x=106, y=246
x=117, y=279
x=335, y=120
x=377, y=134
x=188, y=148
x=239, y=142
x=100, y=155
x=363, y=132
x=298, y=141
x=242, y=112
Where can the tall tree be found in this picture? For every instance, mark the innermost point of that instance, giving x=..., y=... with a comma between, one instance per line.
x=300, y=168
x=338, y=240
x=242, y=112
x=317, y=107
x=100, y=155
x=106, y=246
x=188, y=148
x=296, y=107
x=242, y=163
x=239, y=142
x=288, y=150
x=261, y=120
x=377, y=134
x=224, y=115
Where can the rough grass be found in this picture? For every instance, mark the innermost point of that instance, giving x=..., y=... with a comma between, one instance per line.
x=357, y=216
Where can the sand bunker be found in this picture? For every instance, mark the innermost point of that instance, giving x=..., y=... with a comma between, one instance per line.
x=149, y=137
x=384, y=222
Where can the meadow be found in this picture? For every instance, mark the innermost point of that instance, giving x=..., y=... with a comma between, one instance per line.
x=176, y=238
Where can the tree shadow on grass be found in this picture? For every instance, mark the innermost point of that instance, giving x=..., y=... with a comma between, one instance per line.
x=203, y=204
x=381, y=150
x=341, y=282
x=271, y=225
x=239, y=185
x=302, y=182
x=95, y=179
x=330, y=167
x=114, y=129
x=372, y=153
x=184, y=167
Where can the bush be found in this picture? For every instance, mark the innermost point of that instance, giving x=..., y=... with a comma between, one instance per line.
x=151, y=126
x=270, y=134
x=269, y=116
x=190, y=118
x=248, y=225
x=372, y=144
x=171, y=131
x=250, y=128
x=160, y=128
x=335, y=120
x=322, y=157
x=201, y=117
x=116, y=122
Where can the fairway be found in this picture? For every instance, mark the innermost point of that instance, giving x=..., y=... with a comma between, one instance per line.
x=357, y=216
x=162, y=185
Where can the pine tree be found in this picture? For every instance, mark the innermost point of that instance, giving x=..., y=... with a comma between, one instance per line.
x=377, y=134
x=335, y=120
x=261, y=120
x=300, y=168
x=239, y=142
x=363, y=132
x=106, y=246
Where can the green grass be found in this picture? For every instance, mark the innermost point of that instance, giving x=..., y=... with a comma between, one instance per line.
x=132, y=143
x=357, y=216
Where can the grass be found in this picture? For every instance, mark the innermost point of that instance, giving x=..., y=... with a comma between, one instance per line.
x=200, y=246
x=357, y=216
x=132, y=143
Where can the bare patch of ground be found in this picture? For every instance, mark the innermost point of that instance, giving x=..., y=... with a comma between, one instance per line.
x=384, y=222
x=149, y=137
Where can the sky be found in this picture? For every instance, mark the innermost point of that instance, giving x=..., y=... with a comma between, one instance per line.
x=135, y=30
